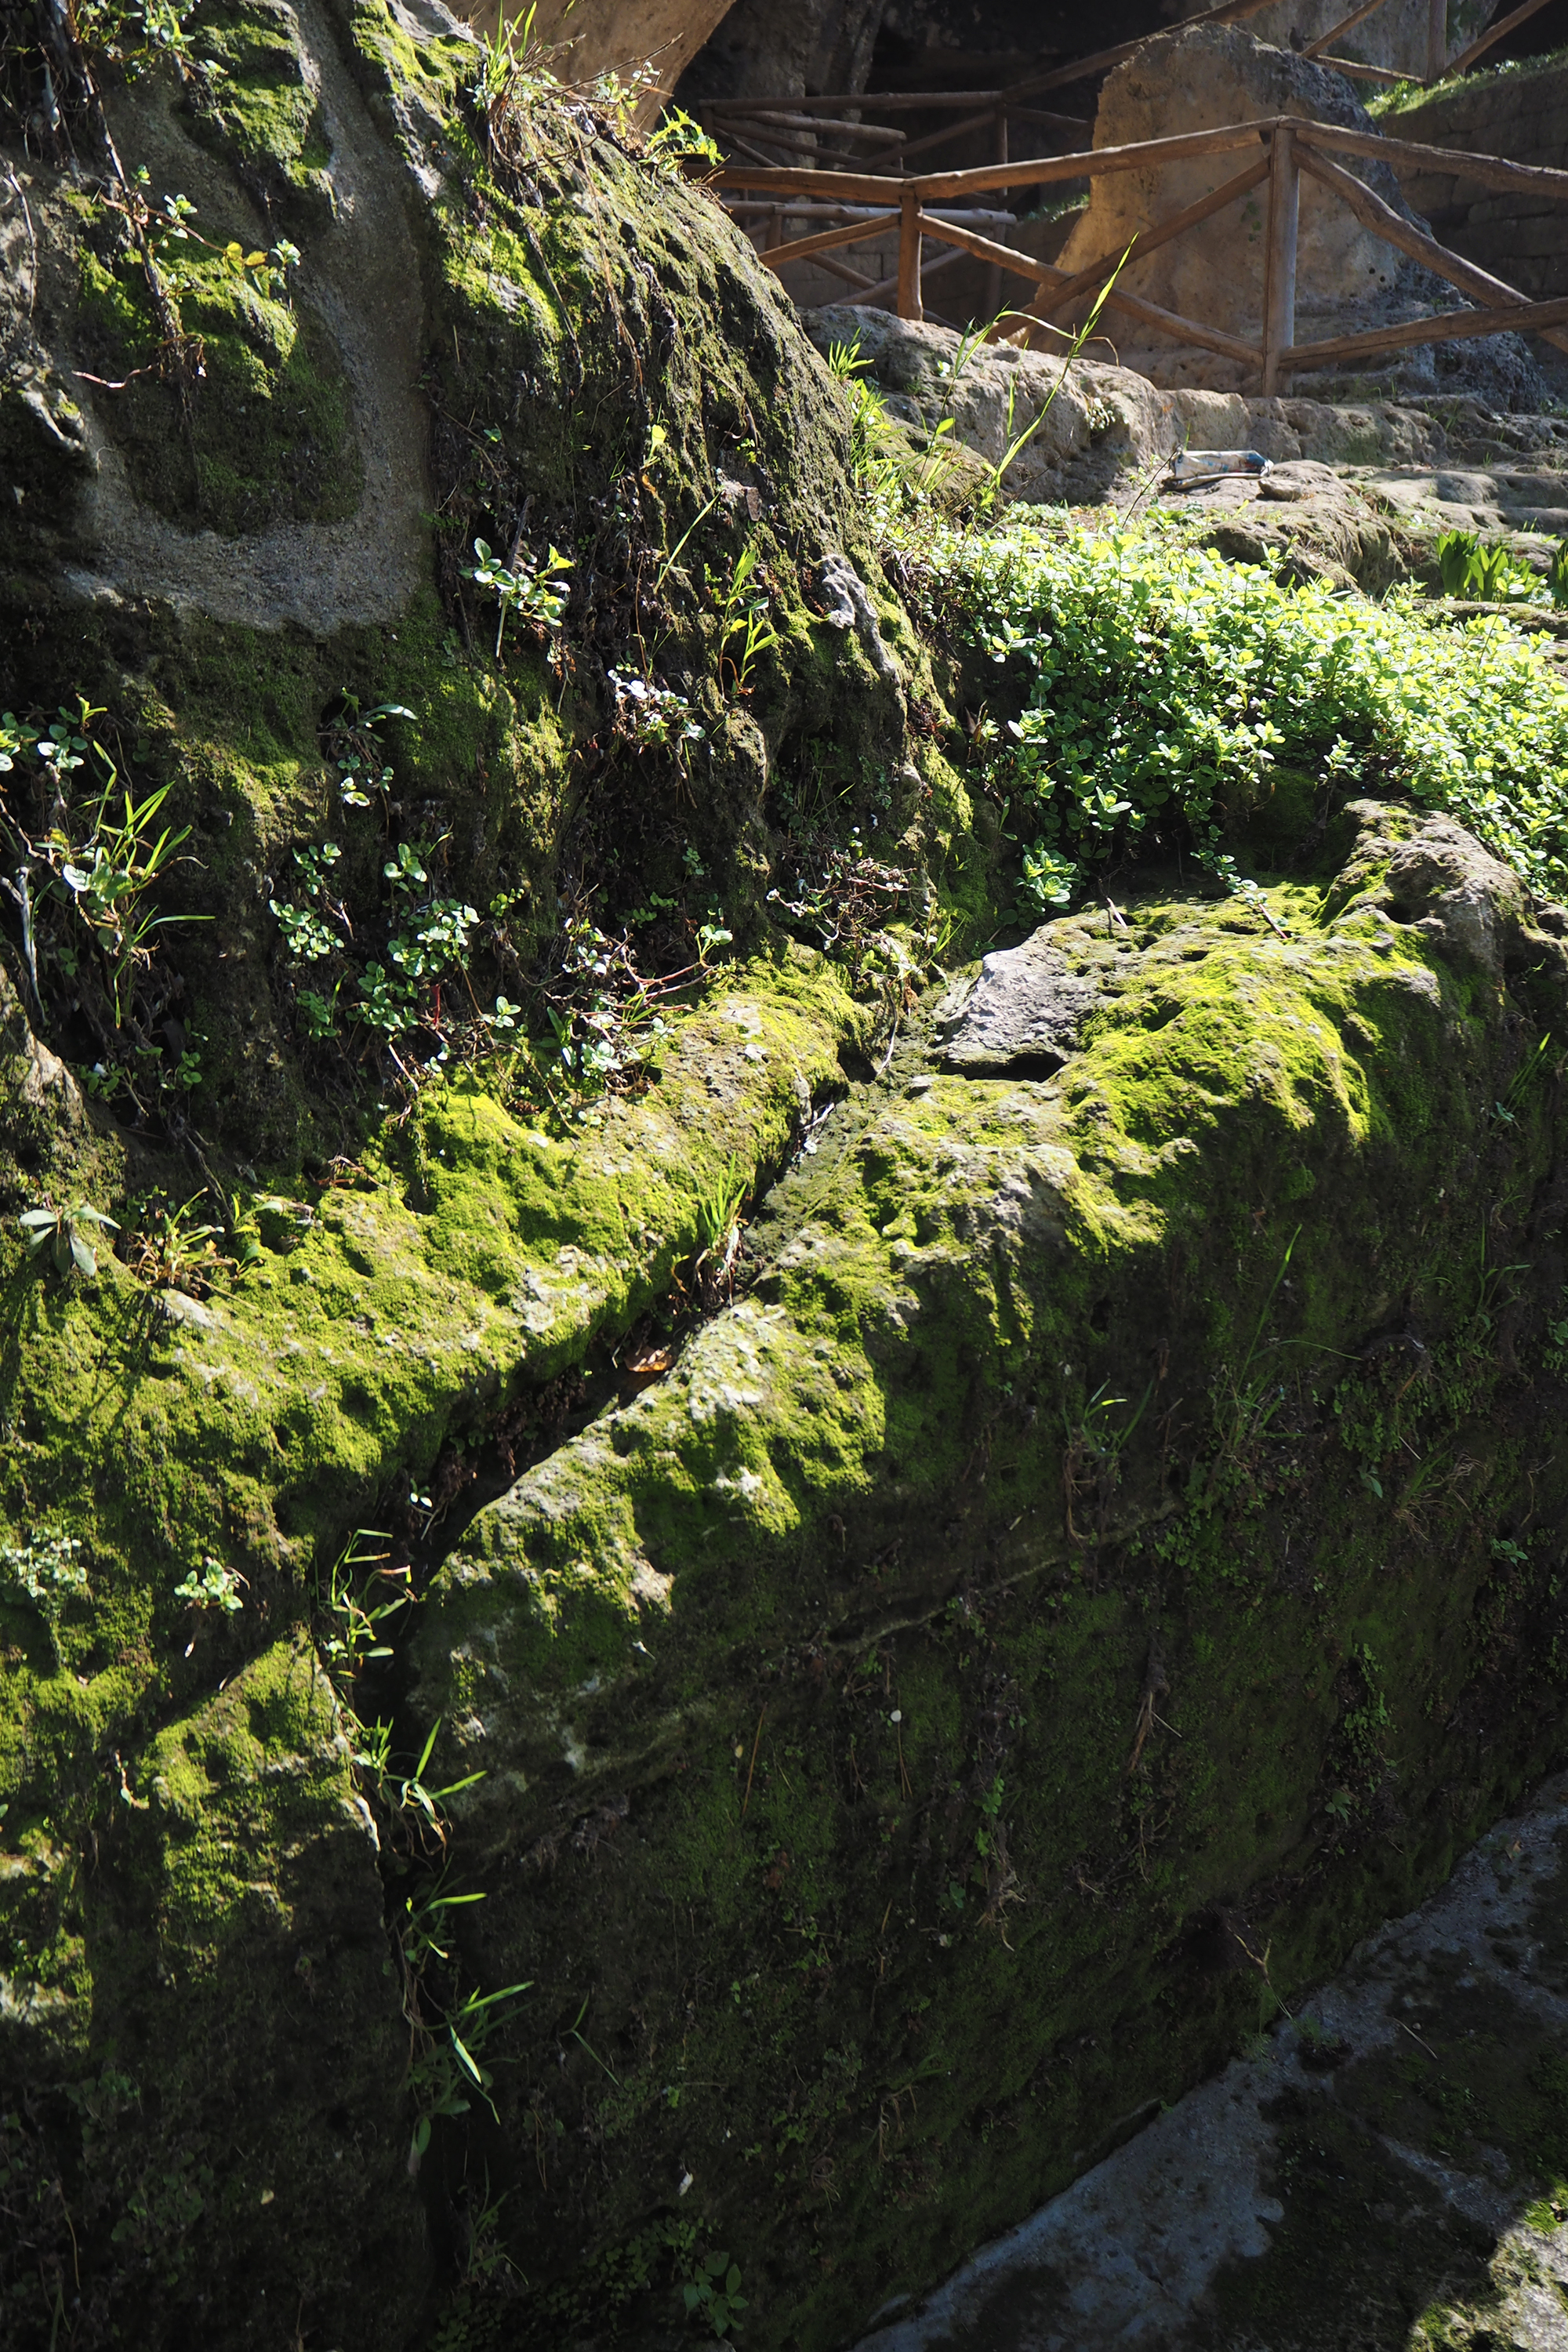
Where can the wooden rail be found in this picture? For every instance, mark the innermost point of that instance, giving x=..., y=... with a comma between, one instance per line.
x=1028, y=171
x=1396, y=230
x=1293, y=145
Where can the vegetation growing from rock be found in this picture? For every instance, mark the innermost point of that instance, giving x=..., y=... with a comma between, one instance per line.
x=1171, y=700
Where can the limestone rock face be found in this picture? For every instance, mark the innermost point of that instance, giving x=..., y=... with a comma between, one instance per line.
x=589, y=37
x=1098, y=420
x=1441, y=880
x=1026, y=1012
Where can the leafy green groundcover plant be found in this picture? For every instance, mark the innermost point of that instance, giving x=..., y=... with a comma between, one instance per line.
x=1470, y=566
x=1168, y=697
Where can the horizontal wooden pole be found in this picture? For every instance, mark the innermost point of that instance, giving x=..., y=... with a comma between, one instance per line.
x=1346, y=24
x=1024, y=265
x=785, y=180
x=822, y=240
x=1456, y=327
x=760, y=164
x=870, y=134
x=1409, y=155
x=799, y=208
x=1028, y=171
x=1360, y=72
x=1383, y=221
x=1494, y=33
x=1094, y=162
x=1150, y=240
x=879, y=101
x=1048, y=122
x=758, y=135
x=959, y=130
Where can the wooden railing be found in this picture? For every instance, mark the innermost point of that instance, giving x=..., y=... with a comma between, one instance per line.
x=1292, y=145
x=761, y=129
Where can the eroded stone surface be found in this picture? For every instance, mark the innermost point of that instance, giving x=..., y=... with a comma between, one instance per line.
x=1026, y=1012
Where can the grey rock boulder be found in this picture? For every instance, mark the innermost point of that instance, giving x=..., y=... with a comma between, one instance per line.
x=1025, y=1013
x=1429, y=873
x=1348, y=279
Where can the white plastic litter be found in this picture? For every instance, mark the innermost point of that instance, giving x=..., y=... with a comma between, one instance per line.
x=1191, y=466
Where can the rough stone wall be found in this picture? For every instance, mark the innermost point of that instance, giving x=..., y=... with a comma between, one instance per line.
x=1522, y=114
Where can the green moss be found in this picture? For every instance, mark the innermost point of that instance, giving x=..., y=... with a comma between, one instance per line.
x=256, y=103
x=255, y=1430
x=859, y=1605
x=264, y=435
x=237, y=1848
x=252, y=1428
x=822, y=1689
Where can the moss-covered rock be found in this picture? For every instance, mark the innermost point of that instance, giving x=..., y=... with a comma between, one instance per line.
x=980, y=1731
x=215, y=579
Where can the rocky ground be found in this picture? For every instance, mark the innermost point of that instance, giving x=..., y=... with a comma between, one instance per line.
x=1359, y=489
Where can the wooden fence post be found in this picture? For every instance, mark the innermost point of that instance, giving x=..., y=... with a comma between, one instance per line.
x=1436, y=38
x=993, y=296
x=910, y=305
x=1280, y=271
